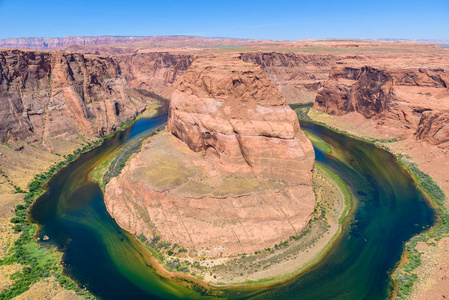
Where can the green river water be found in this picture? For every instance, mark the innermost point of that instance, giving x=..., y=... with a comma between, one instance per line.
x=112, y=264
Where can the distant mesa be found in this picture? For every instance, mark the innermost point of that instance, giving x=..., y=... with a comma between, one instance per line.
x=44, y=43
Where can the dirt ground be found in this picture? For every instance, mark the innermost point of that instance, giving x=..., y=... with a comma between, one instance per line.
x=48, y=288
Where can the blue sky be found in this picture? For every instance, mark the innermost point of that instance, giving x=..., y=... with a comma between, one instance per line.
x=273, y=19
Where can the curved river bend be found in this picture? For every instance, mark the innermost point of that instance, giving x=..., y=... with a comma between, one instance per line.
x=109, y=262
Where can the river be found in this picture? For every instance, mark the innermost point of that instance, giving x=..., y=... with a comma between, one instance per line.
x=388, y=210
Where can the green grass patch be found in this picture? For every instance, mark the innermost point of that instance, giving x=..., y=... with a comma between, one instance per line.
x=37, y=262
x=99, y=172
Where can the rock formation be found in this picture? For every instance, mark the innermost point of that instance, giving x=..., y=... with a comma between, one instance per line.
x=230, y=109
x=433, y=127
x=53, y=95
x=297, y=76
x=154, y=71
x=416, y=97
x=238, y=176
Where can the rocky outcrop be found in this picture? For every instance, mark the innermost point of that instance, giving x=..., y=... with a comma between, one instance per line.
x=230, y=109
x=413, y=96
x=154, y=71
x=169, y=192
x=53, y=95
x=235, y=174
x=433, y=127
x=297, y=76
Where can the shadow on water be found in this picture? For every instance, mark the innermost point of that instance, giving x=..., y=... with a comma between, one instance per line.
x=110, y=263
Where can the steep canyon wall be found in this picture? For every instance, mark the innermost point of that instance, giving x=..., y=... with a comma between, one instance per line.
x=416, y=97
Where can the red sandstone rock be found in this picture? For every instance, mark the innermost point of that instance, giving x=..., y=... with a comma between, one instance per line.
x=252, y=187
x=433, y=127
x=229, y=108
x=60, y=95
x=417, y=97
x=297, y=76
x=156, y=71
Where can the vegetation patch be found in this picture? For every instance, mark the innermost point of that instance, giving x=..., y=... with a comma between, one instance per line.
x=118, y=162
x=406, y=275
x=38, y=262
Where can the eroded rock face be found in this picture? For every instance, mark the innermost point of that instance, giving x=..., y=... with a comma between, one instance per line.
x=418, y=97
x=297, y=76
x=154, y=71
x=231, y=110
x=171, y=192
x=53, y=95
x=433, y=127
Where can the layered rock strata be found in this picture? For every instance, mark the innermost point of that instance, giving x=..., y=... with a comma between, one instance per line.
x=235, y=175
x=154, y=71
x=297, y=76
x=414, y=98
x=230, y=109
x=53, y=95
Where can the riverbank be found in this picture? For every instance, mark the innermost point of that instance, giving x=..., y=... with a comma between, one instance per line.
x=28, y=269
x=419, y=275
x=271, y=265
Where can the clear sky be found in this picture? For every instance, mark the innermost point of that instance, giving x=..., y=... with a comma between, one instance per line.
x=270, y=19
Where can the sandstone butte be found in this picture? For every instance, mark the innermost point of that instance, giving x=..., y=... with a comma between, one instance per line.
x=235, y=174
